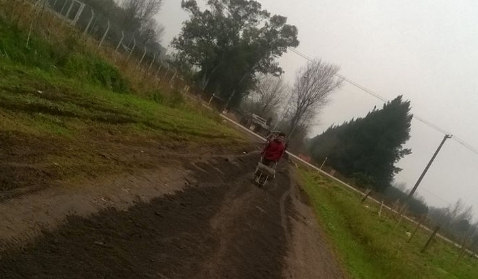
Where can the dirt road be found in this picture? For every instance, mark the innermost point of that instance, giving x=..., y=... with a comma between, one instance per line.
x=201, y=218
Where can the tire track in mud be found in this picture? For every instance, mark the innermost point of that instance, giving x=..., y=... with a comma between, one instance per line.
x=222, y=226
x=252, y=240
x=310, y=254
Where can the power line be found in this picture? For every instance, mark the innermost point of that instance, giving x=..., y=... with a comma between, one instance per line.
x=462, y=142
x=344, y=78
x=435, y=195
x=383, y=99
x=423, y=188
x=426, y=122
x=361, y=87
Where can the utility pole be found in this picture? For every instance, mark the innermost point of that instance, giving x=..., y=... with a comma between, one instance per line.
x=400, y=212
x=427, y=167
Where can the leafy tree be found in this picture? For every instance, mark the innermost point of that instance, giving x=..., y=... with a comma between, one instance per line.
x=370, y=145
x=229, y=42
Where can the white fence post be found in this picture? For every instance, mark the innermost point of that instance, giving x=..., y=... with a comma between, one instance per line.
x=142, y=57
x=166, y=74
x=151, y=64
x=89, y=22
x=104, y=36
x=62, y=8
x=69, y=10
x=132, y=49
x=159, y=68
x=120, y=42
x=172, y=79
x=78, y=14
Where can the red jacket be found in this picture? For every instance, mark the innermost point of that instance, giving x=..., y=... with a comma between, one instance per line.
x=274, y=150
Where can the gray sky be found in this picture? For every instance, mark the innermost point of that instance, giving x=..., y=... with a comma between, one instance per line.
x=425, y=50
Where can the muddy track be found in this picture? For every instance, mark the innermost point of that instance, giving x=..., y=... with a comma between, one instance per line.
x=218, y=224
x=221, y=226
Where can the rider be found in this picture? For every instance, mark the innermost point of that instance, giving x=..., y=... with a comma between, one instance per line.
x=271, y=136
x=273, y=150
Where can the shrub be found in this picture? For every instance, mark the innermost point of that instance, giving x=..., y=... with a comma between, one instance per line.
x=176, y=99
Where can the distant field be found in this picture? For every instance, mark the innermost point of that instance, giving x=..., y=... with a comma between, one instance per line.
x=368, y=245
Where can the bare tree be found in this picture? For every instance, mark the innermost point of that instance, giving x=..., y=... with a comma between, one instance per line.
x=139, y=12
x=459, y=211
x=268, y=95
x=151, y=31
x=473, y=231
x=466, y=214
x=456, y=218
x=313, y=85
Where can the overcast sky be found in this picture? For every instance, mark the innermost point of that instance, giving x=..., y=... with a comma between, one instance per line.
x=425, y=50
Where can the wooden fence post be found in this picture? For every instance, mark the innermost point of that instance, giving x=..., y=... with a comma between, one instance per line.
x=366, y=195
x=430, y=239
x=463, y=249
x=416, y=229
x=380, y=211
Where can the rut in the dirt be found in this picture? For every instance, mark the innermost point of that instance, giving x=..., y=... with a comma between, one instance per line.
x=222, y=226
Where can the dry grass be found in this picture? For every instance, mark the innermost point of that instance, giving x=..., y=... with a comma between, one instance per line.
x=143, y=80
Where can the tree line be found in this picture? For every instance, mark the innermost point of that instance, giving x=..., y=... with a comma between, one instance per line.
x=456, y=222
x=230, y=49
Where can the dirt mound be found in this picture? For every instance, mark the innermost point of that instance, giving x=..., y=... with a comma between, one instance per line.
x=30, y=164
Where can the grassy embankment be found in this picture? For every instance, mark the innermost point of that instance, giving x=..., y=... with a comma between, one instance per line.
x=66, y=109
x=371, y=247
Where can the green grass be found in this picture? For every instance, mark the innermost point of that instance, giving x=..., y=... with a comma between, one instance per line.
x=60, y=86
x=68, y=57
x=69, y=113
x=39, y=102
x=370, y=246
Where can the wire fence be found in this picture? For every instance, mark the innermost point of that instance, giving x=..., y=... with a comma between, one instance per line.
x=110, y=33
x=107, y=35
x=105, y=29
